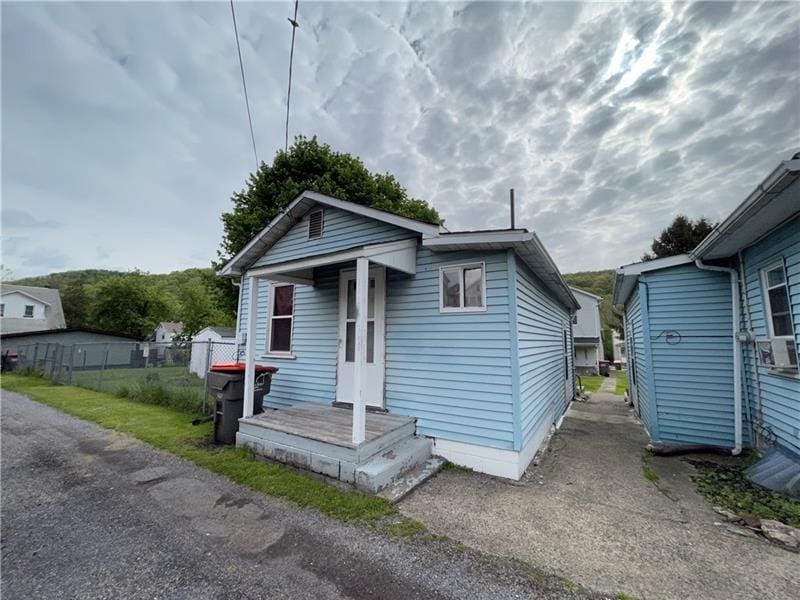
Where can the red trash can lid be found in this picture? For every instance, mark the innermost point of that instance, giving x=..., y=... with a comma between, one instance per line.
x=239, y=367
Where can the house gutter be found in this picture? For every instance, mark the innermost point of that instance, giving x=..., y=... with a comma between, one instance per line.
x=737, y=352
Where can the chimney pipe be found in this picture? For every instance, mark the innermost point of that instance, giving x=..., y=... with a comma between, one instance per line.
x=512, y=208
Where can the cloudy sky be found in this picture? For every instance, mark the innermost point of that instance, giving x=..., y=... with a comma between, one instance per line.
x=124, y=131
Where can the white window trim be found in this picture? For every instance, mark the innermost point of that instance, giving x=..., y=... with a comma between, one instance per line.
x=271, y=300
x=462, y=308
x=25, y=314
x=321, y=225
x=767, y=304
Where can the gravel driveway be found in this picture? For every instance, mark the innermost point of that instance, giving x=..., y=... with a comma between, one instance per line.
x=88, y=513
x=587, y=513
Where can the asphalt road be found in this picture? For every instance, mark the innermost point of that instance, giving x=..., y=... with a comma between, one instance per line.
x=89, y=513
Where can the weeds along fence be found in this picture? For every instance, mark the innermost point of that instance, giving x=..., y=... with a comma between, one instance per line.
x=171, y=374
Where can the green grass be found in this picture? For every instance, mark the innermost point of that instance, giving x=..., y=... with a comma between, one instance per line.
x=648, y=471
x=448, y=466
x=621, y=383
x=405, y=529
x=726, y=485
x=591, y=383
x=171, y=430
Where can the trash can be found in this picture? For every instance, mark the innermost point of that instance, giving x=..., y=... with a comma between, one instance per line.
x=226, y=381
x=604, y=370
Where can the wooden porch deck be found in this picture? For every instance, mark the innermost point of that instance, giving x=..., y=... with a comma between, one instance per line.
x=327, y=424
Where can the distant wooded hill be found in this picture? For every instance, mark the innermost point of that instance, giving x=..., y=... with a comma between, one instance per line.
x=600, y=283
x=135, y=302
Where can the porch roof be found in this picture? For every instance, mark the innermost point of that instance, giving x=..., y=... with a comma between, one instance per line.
x=400, y=255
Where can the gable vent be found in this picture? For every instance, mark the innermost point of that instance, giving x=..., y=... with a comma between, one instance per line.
x=315, y=224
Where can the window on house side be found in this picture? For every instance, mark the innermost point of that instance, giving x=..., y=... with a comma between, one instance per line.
x=2, y=310
x=28, y=311
x=776, y=299
x=281, y=316
x=462, y=288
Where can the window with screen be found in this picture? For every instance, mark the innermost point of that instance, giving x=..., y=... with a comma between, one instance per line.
x=776, y=301
x=462, y=288
x=281, y=317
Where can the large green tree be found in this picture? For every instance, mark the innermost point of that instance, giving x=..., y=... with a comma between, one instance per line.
x=127, y=304
x=680, y=237
x=308, y=165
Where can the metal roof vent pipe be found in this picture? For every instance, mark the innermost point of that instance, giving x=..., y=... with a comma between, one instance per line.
x=511, y=200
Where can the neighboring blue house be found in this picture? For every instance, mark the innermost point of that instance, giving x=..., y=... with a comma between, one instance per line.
x=712, y=336
x=466, y=334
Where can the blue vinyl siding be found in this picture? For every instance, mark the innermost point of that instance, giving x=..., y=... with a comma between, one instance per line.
x=637, y=353
x=311, y=375
x=341, y=230
x=452, y=371
x=693, y=367
x=779, y=394
x=541, y=325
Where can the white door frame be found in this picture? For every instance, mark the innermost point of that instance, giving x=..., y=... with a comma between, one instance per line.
x=376, y=371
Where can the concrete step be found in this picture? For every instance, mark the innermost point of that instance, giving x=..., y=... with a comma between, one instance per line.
x=387, y=440
x=403, y=485
x=385, y=468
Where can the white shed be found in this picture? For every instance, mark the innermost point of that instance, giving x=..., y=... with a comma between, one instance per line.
x=220, y=342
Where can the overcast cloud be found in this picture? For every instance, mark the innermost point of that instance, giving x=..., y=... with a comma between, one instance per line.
x=124, y=130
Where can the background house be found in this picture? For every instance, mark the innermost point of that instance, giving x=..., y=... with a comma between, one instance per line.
x=210, y=345
x=26, y=308
x=618, y=345
x=587, y=333
x=467, y=334
x=712, y=336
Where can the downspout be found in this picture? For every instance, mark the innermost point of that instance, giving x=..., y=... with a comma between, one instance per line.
x=737, y=352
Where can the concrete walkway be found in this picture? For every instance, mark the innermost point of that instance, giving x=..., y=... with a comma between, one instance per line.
x=588, y=514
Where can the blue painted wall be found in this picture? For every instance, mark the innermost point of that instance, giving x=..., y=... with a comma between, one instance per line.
x=542, y=321
x=452, y=371
x=691, y=345
x=341, y=230
x=779, y=393
x=636, y=351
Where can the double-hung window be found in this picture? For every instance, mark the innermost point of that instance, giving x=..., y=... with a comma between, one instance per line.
x=462, y=288
x=776, y=299
x=28, y=311
x=281, y=317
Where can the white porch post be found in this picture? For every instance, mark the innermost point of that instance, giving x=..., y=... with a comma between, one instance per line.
x=359, y=375
x=250, y=346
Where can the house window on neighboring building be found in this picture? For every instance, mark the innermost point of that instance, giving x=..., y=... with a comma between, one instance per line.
x=462, y=288
x=776, y=299
x=28, y=311
x=2, y=310
x=281, y=316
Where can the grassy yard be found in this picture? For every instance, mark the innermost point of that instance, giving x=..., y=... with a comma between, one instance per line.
x=621, y=383
x=171, y=430
x=591, y=383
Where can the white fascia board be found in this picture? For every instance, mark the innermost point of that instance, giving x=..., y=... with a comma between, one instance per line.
x=746, y=209
x=480, y=237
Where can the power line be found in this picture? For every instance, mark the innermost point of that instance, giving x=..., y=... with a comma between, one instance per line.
x=244, y=84
x=295, y=25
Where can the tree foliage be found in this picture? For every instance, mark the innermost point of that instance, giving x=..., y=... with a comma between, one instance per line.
x=310, y=165
x=134, y=303
x=599, y=283
x=680, y=237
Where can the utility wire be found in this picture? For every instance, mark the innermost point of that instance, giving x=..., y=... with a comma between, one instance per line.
x=295, y=25
x=244, y=84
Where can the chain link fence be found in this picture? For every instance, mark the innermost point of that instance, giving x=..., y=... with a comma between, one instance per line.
x=172, y=374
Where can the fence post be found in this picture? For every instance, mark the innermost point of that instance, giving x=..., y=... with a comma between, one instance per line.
x=102, y=368
x=209, y=352
x=71, y=363
x=35, y=355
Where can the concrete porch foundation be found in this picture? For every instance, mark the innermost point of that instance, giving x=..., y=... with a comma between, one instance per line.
x=318, y=438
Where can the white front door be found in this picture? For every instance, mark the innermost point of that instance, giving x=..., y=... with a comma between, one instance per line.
x=374, y=371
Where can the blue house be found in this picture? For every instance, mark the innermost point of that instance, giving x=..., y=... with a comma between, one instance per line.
x=396, y=338
x=712, y=335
